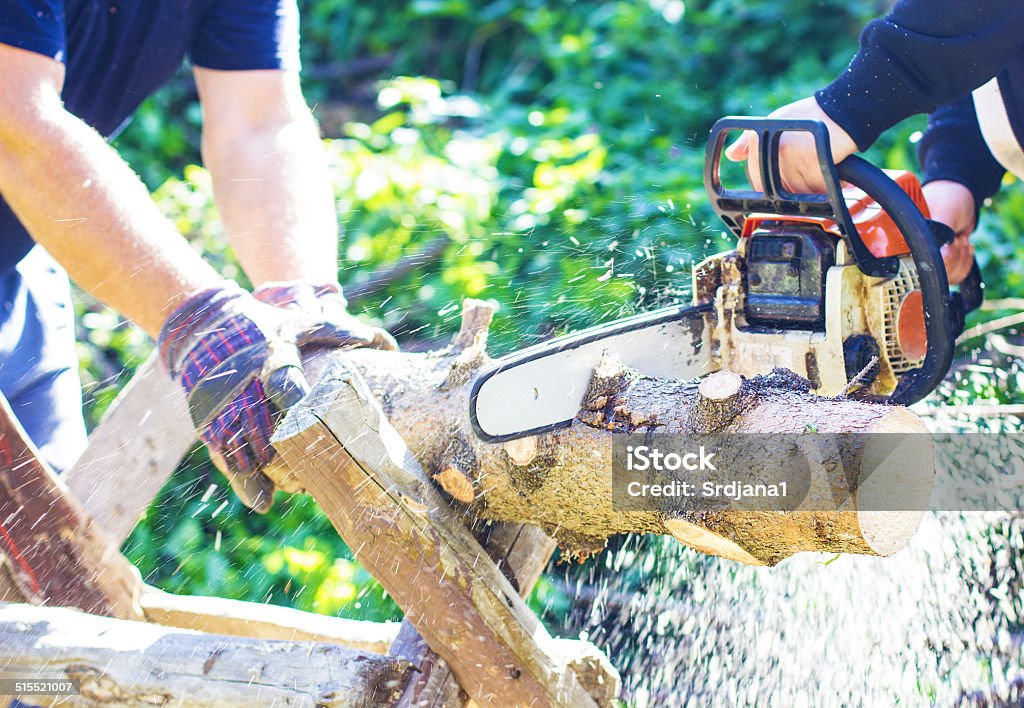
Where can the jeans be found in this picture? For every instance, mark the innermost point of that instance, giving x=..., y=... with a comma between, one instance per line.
x=38, y=362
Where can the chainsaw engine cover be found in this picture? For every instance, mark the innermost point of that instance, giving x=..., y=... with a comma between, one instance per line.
x=786, y=263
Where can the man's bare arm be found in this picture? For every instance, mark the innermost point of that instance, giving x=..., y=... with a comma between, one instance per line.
x=80, y=200
x=269, y=174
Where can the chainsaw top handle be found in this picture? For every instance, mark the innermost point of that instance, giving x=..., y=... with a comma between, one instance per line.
x=734, y=205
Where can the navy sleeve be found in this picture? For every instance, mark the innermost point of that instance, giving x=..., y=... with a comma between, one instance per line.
x=924, y=53
x=238, y=35
x=35, y=25
x=953, y=148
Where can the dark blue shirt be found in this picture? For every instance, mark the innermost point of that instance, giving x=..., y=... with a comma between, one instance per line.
x=926, y=56
x=118, y=52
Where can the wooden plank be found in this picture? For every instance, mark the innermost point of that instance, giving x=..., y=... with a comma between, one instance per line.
x=126, y=663
x=433, y=685
x=521, y=552
x=343, y=451
x=218, y=615
x=56, y=554
x=133, y=451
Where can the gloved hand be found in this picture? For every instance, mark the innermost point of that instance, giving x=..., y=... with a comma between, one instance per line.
x=238, y=361
x=327, y=304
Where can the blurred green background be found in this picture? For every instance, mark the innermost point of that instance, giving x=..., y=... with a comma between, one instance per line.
x=559, y=147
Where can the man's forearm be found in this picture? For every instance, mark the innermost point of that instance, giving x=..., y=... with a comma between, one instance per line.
x=91, y=212
x=953, y=149
x=273, y=191
x=922, y=54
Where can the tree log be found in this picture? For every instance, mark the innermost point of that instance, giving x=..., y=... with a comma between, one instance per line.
x=425, y=396
x=134, y=664
x=561, y=480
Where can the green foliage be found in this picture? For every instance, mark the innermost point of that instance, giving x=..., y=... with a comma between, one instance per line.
x=559, y=147
x=999, y=244
x=197, y=538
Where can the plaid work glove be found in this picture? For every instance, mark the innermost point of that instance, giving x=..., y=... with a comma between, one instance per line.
x=239, y=364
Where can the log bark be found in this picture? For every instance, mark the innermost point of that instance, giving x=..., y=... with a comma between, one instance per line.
x=54, y=552
x=131, y=664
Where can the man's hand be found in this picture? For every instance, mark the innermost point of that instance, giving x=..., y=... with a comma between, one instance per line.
x=238, y=361
x=798, y=159
x=952, y=204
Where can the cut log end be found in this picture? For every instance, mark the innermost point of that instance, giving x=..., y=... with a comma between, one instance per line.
x=888, y=470
x=522, y=451
x=720, y=386
x=456, y=484
x=896, y=481
x=721, y=397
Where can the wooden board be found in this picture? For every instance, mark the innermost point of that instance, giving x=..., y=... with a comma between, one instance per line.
x=133, y=451
x=55, y=553
x=521, y=552
x=218, y=615
x=131, y=664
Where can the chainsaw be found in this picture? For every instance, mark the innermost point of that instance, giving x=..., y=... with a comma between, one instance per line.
x=846, y=289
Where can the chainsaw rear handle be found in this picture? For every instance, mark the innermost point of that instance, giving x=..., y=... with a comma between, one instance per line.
x=733, y=206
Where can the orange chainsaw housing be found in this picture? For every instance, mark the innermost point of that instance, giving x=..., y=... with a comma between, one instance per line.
x=877, y=229
x=883, y=238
